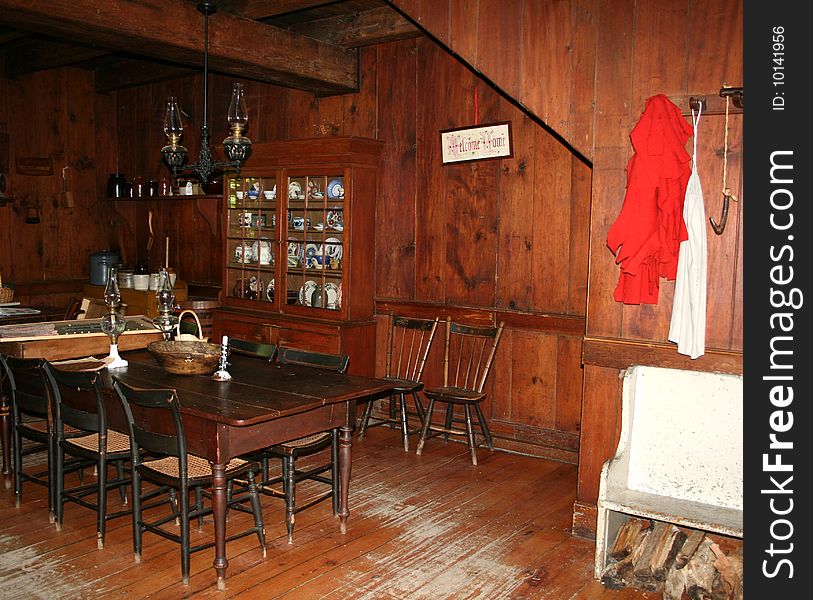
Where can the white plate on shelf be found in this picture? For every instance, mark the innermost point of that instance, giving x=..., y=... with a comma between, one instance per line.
x=333, y=248
x=306, y=291
x=332, y=296
x=311, y=250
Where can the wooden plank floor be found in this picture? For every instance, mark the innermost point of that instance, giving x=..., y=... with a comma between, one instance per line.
x=421, y=527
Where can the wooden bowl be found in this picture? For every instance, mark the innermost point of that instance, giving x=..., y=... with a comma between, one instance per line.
x=186, y=358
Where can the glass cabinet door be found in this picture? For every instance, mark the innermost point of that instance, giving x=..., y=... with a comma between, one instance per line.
x=315, y=241
x=250, y=240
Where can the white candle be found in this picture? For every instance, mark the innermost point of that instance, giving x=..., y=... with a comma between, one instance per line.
x=166, y=258
x=225, y=340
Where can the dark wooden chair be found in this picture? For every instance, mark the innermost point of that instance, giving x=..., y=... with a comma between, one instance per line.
x=77, y=403
x=255, y=349
x=467, y=362
x=29, y=422
x=175, y=471
x=290, y=452
x=74, y=308
x=408, y=343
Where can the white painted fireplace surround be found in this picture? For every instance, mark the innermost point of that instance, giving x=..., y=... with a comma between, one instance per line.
x=679, y=456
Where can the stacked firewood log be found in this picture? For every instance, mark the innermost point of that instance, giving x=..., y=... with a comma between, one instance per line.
x=682, y=563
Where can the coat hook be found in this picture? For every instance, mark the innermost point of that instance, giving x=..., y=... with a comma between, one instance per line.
x=718, y=229
x=697, y=104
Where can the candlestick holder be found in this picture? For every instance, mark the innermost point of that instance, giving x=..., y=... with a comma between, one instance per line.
x=222, y=374
x=112, y=323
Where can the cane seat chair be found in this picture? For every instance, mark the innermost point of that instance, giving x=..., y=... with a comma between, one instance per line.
x=408, y=343
x=176, y=473
x=30, y=424
x=284, y=485
x=468, y=357
x=77, y=403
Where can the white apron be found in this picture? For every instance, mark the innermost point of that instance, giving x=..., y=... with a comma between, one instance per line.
x=688, y=326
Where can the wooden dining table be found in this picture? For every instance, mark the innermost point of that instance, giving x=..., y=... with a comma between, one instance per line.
x=263, y=404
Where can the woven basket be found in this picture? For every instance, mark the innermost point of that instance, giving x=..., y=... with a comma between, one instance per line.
x=6, y=294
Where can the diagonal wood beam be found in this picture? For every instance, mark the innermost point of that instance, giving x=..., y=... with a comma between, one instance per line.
x=172, y=30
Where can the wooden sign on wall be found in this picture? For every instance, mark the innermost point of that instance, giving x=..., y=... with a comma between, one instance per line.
x=33, y=165
x=483, y=142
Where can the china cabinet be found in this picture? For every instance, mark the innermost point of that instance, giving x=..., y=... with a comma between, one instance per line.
x=299, y=247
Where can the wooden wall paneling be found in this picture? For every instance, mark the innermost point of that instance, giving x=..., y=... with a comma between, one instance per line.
x=550, y=207
x=583, y=63
x=712, y=61
x=517, y=226
x=32, y=110
x=80, y=157
x=433, y=114
x=471, y=234
x=655, y=70
x=600, y=427
x=660, y=53
x=569, y=381
x=500, y=20
x=460, y=25
x=533, y=399
x=331, y=116
x=611, y=151
x=580, y=190
x=603, y=312
x=737, y=316
x=361, y=109
x=473, y=205
x=56, y=241
x=722, y=249
x=545, y=51
x=396, y=212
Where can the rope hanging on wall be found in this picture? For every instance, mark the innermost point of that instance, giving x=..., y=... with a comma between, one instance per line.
x=727, y=195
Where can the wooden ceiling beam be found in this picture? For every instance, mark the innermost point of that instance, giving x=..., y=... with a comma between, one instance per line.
x=365, y=28
x=130, y=72
x=172, y=30
x=265, y=9
x=31, y=55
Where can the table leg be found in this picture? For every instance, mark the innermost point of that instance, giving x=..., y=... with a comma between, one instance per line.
x=345, y=445
x=5, y=435
x=219, y=514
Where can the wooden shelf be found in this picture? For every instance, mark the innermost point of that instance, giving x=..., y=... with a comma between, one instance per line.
x=174, y=197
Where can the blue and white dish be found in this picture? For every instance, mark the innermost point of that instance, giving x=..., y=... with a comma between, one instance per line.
x=335, y=189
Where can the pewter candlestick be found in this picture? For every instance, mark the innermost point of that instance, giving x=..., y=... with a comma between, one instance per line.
x=222, y=374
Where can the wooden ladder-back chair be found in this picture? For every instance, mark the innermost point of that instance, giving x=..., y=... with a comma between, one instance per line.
x=467, y=362
x=77, y=403
x=290, y=452
x=408, y=343
x=175, y=471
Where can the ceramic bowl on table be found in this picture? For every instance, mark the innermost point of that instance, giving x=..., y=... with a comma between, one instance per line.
x=186, y=357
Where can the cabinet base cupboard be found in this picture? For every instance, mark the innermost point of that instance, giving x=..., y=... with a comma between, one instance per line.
x=299, y=247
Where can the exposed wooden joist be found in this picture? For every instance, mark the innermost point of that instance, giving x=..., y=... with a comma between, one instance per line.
x=374, y=26
x=131, y=72
x=33, y=55
x=264, y=9
x=172, y=30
